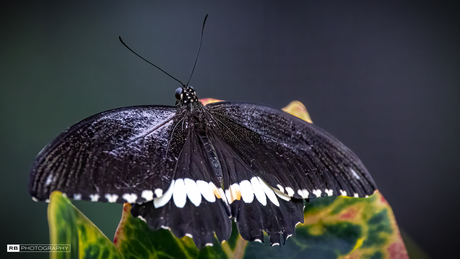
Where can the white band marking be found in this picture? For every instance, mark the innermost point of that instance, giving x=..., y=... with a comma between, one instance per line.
x=281, y=188
x=258, y=191
x=206, y=190
x=179, y=193
x=290, y=191
x=246, y=191
x=193, y=192
x=160, y=202
x=269, y=192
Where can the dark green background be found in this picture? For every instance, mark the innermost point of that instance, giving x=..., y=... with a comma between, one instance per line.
x=383, y=78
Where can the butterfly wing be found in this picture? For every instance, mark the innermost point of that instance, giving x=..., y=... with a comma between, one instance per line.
x=121, y=155
x=195, y=205
x=272, y=160
x=172, y=163
x=303, y=159
x=151, y=156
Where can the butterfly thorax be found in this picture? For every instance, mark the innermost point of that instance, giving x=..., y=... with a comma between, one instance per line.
x=192, y=109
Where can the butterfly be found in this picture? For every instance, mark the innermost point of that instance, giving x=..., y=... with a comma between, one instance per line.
x=193, y=168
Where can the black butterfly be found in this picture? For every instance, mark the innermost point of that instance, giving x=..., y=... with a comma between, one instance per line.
x=192, y=168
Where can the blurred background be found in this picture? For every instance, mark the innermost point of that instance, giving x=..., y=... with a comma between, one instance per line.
x=384, y=78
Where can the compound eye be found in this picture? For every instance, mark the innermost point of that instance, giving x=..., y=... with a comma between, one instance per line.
x=178, y=93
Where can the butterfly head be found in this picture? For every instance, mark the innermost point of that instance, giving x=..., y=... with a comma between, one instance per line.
x=186, y=95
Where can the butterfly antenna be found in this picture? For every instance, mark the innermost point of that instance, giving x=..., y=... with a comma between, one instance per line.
x=151, y=62
x=199, y=48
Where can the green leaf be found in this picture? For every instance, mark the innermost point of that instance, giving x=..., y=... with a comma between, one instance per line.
x=69, y=226
x=135, y=239
x=335, y=227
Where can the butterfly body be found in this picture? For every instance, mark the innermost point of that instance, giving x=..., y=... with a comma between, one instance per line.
x=192, y=168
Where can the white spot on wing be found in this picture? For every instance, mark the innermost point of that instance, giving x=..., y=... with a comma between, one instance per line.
x=258, y=191
x=281, y=188
x=290, y=191
x=111, y=197
x=305, y=193
x=206, y=190
x=158, y=192
x=269, y=192
x=147, y=195
x=142, y=218
x=160, y=202
x=299, y=191
x=329, y=192
x=356, y=195
x=343, y=193
x=208, y=244
x=193, y=192
x=77, y=196
x=130, y=197
x=317, y=192
x=354, y=173
x=275, y=244
x=189, y=235
x=258, y=240
x=179, y=194
x=49, y=179
x=282, y=195
x=94, y=197
x=246, y=191
x=34, y=199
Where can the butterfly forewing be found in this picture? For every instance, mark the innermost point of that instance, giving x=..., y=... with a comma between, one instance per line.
x=121, y=155
x=298, y=158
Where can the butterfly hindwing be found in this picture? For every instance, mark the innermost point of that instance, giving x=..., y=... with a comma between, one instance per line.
x=255, y=205
x=196, y=205
x=198, y=222
x=121, y=155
